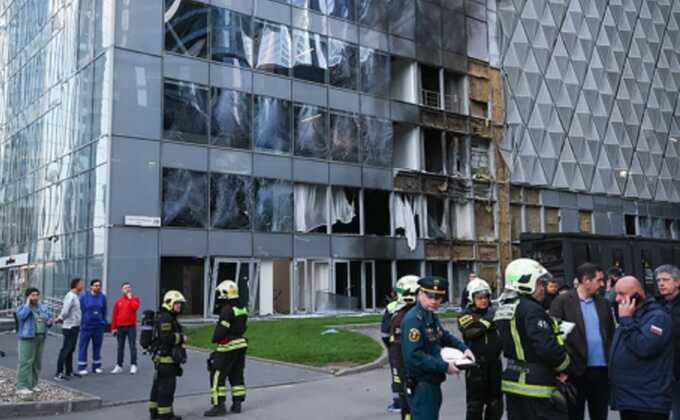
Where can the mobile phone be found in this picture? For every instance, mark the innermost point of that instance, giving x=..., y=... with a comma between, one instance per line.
x=637, y=297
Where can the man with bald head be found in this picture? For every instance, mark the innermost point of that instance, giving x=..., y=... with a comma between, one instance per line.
x=641, y=364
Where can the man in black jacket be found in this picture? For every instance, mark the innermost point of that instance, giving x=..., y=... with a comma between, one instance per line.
x=668, y=283
x=588, y=343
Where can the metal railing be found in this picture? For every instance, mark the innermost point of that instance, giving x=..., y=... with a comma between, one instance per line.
x=430, y=98
x=452, y=103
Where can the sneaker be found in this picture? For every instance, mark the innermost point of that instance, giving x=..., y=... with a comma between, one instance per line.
x=98, y=371
x=36, y=389
x=24, y=393
x=133, y=369
x=61, y=377
x=74, y=375
x=393, y=408
x=82, y=372
x=115, y=370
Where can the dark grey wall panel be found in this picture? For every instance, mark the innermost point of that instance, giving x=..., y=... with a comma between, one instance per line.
x=343, y=100
x=343, y=30
x=455, y=62
x=345, y=175
x=568, y=199
x=617, y=223
x=305, y=246
x=379, y=247
x=402, y=47
x=308, y=20
x=311, y=171
x=310, y=93
x=185, y=156
x=231, y=77
x=184, y=68
x=402, y=251
x=273, y=11
x=231, y=161
x=273, y=245
x=269, y=166
x=569, y=220
x=375, y=106
x=629, y=207
x=347, y=247
x=602, y=223
x=184, y=242
x=373, y=39
x=242, y=6
x=405, y=112
x=378, y=178
x=550, y=198
x=278, y=87
x=138, y=26
x=230, y=244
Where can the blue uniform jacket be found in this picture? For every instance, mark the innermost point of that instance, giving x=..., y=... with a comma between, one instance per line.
x=422, y=337
x=93, y=308
x=641, y=361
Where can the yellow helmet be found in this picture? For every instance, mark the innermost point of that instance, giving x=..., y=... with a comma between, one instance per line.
x=172, y=297
x=228, y=289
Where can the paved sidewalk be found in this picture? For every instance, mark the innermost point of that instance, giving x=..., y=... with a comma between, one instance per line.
x=121, y=388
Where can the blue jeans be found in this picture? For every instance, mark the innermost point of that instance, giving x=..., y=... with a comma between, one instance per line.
x=129, y=333
x=676, y=400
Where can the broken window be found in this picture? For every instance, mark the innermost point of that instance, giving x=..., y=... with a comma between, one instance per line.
x=345, y=210
x=408, y=268
x=310, y=131
x=515, y=221
x=429, y=84
x=406, y=146
x=631, y=228
x=185, y=198
x=272, y=47
x=402, y=18
x=659, y=229
x=376, y=142
x=585, y=218
x=383, y=282
x=645, y=226
x=316, y=5
x=231, y=118
x=480, y=158
x=462, y=218
x=457, y=155
x=377, y=212
x=230, y=201
x=343, y=64
x=403, y=73
x=429, y=24
x=485, y=224
x=343, y=9
x=407, y=218
x=272, y=124
x=552, y=219
x=454, y=92
x=231, y=38
x=310, y=208
x=533, y=214
x=344, y=137
x=310, y=56
x=375, y=72
x=437, y=223
x=186, y=28
x=273, y=205
x=434, y=154
x=185, y=111
x=373, y=14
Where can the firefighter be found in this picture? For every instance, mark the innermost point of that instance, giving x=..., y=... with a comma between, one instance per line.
x=406, y=289
x=168, y=354
x=483, y=382
x=229, y=358
x=422, y=338
x=535, y=352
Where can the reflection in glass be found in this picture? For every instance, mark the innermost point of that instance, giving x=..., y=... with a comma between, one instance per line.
x=272, y=47
x=273, y=206
x=320, y=6
x=231, y=118
x=309, y=61
x=231, y=39
x=186, y=27
x=402, y=18
x=342, y=64
x=230, y=198
x=373, y=14
x=272, y=124
x=185, y=196
x=376, y=142
x=375, y=72
x=343, y=9
x=344, y=138
x=185, y=111
x=310, y=131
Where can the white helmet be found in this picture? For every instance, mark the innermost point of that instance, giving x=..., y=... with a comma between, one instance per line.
x=477, y=286
x=523, y=274
x=406, y=289
x=227, y=290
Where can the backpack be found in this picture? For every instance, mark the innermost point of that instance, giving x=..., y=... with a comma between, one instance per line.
x=146, y=337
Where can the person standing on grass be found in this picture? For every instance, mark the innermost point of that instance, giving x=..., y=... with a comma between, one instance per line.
x=93, y=306
x=124, y=327
x=33, y=321
x=70, y=316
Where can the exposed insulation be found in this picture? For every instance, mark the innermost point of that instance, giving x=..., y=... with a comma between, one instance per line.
x=552, y=220
x=484, y=221
x=533, y=215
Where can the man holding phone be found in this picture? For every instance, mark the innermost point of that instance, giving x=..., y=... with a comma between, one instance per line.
x=641, y=364
x=668, y=283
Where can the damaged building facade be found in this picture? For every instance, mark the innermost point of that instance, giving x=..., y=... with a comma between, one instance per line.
x=315, y=149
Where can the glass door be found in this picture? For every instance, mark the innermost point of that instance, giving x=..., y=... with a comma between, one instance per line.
x=368, y=286
x=243, y=272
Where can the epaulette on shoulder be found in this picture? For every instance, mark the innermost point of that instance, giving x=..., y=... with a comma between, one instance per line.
x=419, y=316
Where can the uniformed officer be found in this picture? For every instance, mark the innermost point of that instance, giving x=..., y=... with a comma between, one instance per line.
x=229, y=358
x=168, y=356
x=535, y=352
x=483, y=382
x=422, y=337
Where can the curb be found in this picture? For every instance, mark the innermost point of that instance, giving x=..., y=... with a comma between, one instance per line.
x=51, y=408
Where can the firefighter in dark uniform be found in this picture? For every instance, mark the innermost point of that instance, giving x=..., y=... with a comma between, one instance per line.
x=532, y=344
x=483, y=382
x=422, y=338
x=168, y=356
x=229, y=358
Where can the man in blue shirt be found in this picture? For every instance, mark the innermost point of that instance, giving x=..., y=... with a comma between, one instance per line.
x=93, y=324
x=589, y=342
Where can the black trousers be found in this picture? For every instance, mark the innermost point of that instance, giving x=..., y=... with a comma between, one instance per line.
x=593, y=388
x=129, y=334
x=641, y=415
x=524, y=408
x=403, y=398
x=65, y=360
x=483, y=391
x=227, y=365
x=163, y=389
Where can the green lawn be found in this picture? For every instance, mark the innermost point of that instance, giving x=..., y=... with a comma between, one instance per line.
x=299, y=340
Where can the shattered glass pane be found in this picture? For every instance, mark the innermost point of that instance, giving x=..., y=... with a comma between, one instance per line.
x=185, y=111
x=320, y=6
x=377, y=212
x=310, y=62
x=402, y=17
x=186, y=27
x=230, y=201
x=376, y=142
x=429, y=23
x=272, y=124
x=273, y=206
x=272, y=47
x=342, y=64
x=343, y=9
x=373, y=14
x=344, y=137
x=375, y=72
x=185, y=198
x=231, y=118
x=310, y=131
x=231, y=39
x=480, y=158
x=437, y=225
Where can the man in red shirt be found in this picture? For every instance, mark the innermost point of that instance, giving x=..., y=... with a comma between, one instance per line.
x=124, y=326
